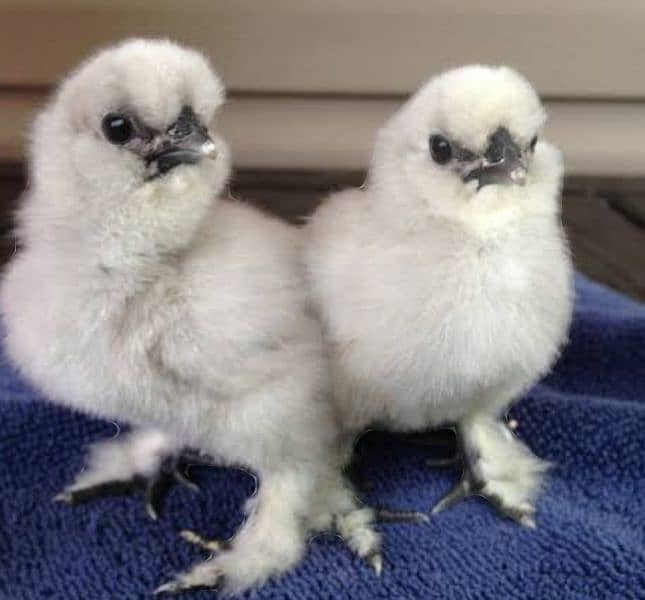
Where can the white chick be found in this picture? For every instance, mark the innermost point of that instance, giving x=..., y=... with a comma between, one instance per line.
x=140, y=296
x=445, y=283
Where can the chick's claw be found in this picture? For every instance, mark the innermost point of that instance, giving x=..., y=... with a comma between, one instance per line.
x=465, y=488
x=203, y=576
x=375, y=560
x=209, y=545
x=198, y=578
x=386, y=515
x=523, y=515
x=100, y=490
x=140, y=460
x=509, y=484
x=156, y=487
x=356, y=529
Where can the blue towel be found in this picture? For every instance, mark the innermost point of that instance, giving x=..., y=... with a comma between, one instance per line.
x=587, y=417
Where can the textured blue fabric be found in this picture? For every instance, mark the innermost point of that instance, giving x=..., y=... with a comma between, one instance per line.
x=588, y=417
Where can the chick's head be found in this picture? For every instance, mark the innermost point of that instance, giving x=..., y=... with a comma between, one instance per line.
x=135, y=115
x=469, y=132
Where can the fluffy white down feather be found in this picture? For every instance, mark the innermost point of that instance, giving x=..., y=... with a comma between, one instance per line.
x=442, y=302
x=155, y=302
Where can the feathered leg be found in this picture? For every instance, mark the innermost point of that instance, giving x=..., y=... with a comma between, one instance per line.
x=140, y=460
x=271, y=541
x=498, y=467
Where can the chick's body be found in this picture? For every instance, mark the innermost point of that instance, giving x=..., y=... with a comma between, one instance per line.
x=458, y=319
x=211, y=336
x=443, y=299
x=142, y=296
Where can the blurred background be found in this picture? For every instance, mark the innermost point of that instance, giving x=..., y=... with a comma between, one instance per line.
x=310, y=81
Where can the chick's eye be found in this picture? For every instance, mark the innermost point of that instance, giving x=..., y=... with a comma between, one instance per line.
x=533, y=142
x=117, y=128
x=440, y=149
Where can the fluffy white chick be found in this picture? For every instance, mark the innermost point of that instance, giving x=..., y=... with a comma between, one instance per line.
x=445, y=283
x=140, y=296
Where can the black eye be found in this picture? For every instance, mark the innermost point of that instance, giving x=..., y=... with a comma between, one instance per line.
x=532, y=144
x=117, y=128
x=440, y=149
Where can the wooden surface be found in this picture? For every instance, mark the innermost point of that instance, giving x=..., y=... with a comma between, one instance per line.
x=604, y=218
x=310, y=82
x=336, y=133
x=587, y=49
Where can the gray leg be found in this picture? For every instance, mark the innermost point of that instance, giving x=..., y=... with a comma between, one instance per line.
x=171, y=470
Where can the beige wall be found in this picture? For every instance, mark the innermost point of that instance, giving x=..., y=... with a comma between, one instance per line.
x=311, y=80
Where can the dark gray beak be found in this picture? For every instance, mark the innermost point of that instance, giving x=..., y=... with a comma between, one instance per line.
x=186, y=141
x=502, y=163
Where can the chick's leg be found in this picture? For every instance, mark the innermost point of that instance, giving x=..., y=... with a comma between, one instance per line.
x=271, y=541
x=333, y=506
x=336, y=508
x=142, y=459
x=498, y=467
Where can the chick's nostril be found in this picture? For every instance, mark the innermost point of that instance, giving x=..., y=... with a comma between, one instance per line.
x=496, y=151
x=495, y=154
x=185, y=124
x=502, y=148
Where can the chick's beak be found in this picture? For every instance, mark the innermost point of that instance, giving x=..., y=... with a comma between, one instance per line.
x=503, y=162
x=186, y=141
